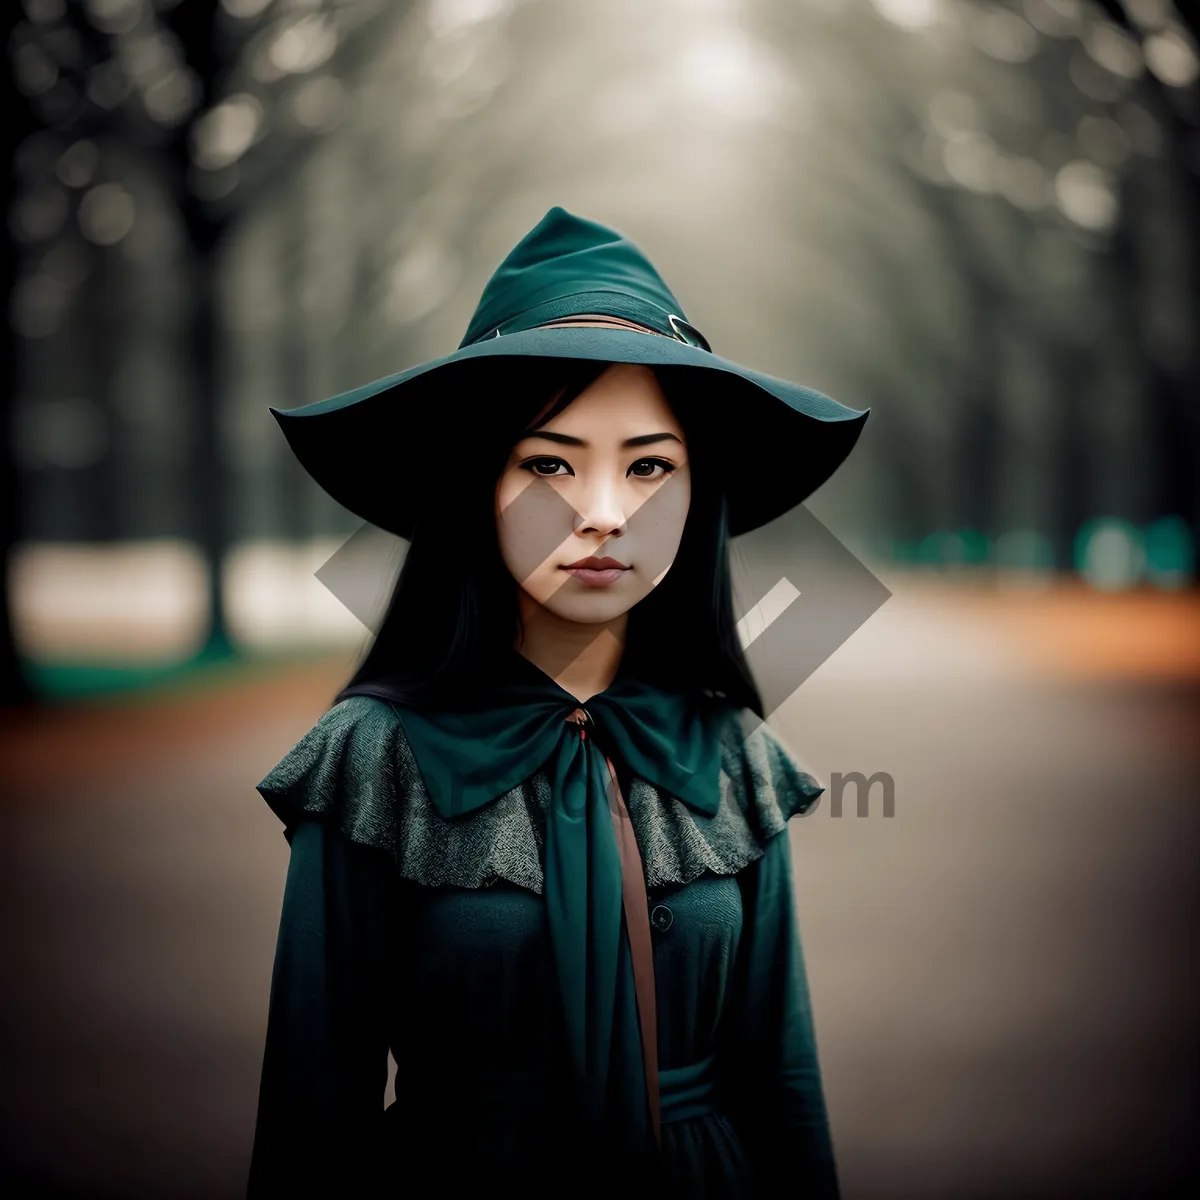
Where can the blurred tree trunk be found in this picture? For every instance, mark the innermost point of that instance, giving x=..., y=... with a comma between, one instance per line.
x=1173, y=385
x=195, y=24
x=295, y=357
x=209, y=485
x=15, y=688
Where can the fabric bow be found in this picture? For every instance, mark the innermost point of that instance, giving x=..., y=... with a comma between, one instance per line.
x=483, y=747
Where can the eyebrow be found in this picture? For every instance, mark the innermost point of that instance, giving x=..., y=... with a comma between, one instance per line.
x=565, y=439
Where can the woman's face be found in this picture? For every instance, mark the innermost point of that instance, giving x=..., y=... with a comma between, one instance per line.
x=605, y=478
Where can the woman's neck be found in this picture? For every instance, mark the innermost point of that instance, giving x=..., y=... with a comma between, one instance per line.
x=581, y=659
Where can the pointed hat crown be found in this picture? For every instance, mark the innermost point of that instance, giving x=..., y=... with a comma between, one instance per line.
x=567, y=265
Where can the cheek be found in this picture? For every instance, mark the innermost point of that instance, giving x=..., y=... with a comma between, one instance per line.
x=660, y=523
x=532, y=523
x=677, y=501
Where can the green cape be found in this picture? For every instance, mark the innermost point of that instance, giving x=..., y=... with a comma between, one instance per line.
x=491, y=742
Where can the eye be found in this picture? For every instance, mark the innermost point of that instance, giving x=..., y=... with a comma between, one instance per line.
x=534, y=467
x=638, y=468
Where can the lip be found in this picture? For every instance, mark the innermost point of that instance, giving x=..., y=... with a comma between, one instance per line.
x=594, y=578
x=593, y=563
x=596, y=572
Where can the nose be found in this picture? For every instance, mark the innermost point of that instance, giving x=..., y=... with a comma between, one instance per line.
x=599, y=509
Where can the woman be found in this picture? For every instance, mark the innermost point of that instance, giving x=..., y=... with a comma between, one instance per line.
x=538, y=842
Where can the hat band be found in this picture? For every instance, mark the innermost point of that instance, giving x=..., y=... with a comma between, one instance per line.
x=584, y=306
x=682, y=331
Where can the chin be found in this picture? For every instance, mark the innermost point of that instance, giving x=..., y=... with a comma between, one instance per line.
x=586, y=611
x=587, y=607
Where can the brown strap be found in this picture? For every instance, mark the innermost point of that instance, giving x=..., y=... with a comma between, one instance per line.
x=637, y=922
x=637, y=925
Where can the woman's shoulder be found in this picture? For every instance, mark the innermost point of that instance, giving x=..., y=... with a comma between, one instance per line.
x=767, y=778
x=763, y=784
x=356, y=768
x=348, y=737
x=340, y=768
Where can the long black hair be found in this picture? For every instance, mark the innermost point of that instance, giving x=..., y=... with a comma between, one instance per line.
x=453, y=614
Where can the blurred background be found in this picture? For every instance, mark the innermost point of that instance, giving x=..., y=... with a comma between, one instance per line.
x=979, y=219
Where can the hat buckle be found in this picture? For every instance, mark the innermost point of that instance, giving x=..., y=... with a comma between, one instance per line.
x=678, y=328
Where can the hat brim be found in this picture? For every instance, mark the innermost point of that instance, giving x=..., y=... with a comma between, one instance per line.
x=783, y=440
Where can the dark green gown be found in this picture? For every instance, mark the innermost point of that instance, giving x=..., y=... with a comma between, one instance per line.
x=407, y=931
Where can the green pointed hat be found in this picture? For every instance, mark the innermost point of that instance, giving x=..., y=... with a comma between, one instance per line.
x=780, y=441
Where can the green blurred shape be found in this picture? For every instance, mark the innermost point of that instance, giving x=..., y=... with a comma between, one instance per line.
x=961, y=548
x=78, y=680
x=1109, y=553
x=1170, y=555
x=972, y=546
x=1026, y=550
x=929, y=550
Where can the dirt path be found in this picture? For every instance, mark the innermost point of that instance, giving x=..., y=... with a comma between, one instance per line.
x=1004, y=973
